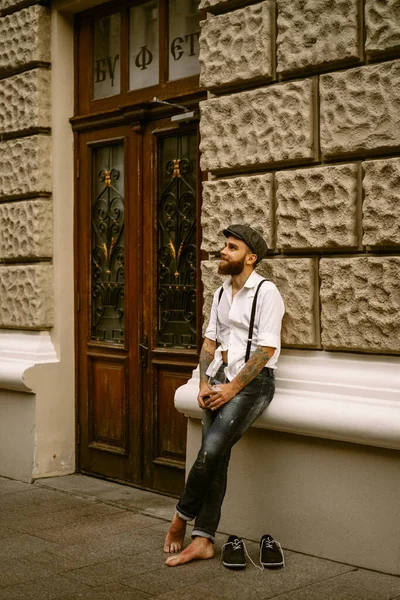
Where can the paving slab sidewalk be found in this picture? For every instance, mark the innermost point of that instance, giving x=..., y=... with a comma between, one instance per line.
x=74, y=537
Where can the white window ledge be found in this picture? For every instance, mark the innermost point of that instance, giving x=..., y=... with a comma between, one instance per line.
x=351, y=398
x=20, y=351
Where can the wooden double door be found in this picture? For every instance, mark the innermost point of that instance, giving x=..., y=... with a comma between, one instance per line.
x=138, y=297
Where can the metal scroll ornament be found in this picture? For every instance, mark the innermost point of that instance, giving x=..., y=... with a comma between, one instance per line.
x=177, y=256
x=108, y=262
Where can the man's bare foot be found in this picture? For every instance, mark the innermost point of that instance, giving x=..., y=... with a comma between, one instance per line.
x=200, y=548
x=176, y=535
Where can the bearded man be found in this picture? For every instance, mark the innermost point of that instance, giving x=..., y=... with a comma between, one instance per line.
x=236, y=384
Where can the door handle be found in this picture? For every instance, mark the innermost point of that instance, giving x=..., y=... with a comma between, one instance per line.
x=144, y=352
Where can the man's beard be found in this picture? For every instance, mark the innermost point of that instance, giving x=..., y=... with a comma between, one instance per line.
x=231, y=268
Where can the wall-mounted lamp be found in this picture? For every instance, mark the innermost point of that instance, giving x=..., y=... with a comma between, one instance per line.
x=185, y=117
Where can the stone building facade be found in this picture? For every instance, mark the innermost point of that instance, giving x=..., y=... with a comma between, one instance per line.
x=36, y=256
x=320, y=133
x=25, y=177
x=300, y=137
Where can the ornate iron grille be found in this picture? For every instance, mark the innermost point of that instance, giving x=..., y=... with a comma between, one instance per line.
x=177, y=242
x=108, y=245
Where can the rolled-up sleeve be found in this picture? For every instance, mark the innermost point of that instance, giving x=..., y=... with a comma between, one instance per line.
x=271, y=309
x=211, y=331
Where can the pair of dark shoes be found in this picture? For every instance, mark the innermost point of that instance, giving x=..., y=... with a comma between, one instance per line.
x=234, y=553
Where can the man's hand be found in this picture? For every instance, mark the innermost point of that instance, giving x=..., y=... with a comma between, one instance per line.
x=204, y=394
x=251, y=369
x=221, y=395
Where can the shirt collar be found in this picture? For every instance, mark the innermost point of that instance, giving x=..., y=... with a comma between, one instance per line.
x=227, y=283
x=251, y=281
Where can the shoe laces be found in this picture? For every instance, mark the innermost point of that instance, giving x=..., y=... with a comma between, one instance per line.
x=237, y=544
x=271, y=544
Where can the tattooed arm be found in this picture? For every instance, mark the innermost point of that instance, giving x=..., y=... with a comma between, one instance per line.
x=251, y=369
x=206, y=356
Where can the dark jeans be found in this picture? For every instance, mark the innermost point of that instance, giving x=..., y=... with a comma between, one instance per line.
x=206, y=484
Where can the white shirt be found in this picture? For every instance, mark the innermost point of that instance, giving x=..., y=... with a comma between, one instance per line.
x=233, y=324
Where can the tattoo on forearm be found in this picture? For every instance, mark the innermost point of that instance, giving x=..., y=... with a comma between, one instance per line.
x=252, y=368
x=206, y=357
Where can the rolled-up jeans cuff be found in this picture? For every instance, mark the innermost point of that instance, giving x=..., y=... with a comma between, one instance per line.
x=204, y=534
x=182, y=516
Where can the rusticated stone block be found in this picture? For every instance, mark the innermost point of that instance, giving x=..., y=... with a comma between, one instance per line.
x=25, y=166
x=296, y=279
x=382, y=20
x=26, y=101
x=26, y=229
x=10, y=4
x=239, y=200
x=360, y=299
x=236, y=46
x=25, y=37
x=381, y=207
x=360, y=109
x=317, y=208
x=314, y=33
x=26, y=296
x=264, y=126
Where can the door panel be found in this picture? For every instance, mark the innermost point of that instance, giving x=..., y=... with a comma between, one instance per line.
x=108, y=243
x=171, y=433
x=109, y=383
x=176, y=233
x=108, y=411
x=139, y=290
x=171, y=289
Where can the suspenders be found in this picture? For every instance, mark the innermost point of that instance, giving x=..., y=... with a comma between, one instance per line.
x=221, y=291
x=252, y=318
x=251, y=326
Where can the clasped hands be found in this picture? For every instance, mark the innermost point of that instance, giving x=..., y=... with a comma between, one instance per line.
x=215, y=398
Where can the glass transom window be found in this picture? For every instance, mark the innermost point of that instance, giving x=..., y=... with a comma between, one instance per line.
x=106, y=56
x=184, y=32
x=144, y=45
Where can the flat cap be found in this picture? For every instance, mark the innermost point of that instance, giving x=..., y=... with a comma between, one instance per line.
x=250, y=236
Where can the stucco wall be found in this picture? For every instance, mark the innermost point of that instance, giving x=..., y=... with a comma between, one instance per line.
x=319, y=497
x=307, y=150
